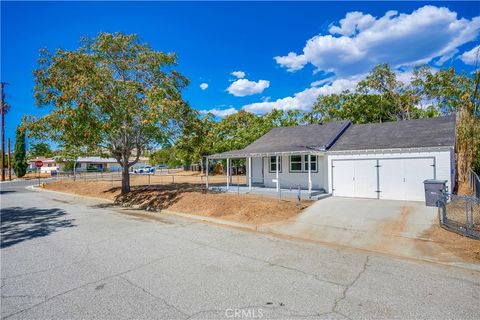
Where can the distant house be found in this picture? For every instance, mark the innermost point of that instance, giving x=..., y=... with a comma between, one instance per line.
x=83, y=164
x=49, y=164
x=382, y=160
x=97, y=164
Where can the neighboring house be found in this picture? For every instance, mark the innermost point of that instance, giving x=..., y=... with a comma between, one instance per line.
x=96, y=164
x=383, y=160
x=49, y=164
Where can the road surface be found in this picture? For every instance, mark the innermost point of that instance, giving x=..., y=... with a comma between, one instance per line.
x=68, y=257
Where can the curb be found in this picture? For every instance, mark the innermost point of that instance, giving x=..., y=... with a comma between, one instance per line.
x=40, y=189
x=213, y=220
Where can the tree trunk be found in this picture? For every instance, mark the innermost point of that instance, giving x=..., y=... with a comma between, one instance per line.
x=125, y=179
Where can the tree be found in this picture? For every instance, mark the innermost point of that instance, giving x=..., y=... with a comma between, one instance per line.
x=197, y=141
x=40, y=149
x=449, y=92
x=164, y=156
x=380, y=97
x=19, y=154
x=113, y=94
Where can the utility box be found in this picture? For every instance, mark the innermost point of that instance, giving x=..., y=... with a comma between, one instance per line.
x=433, y=191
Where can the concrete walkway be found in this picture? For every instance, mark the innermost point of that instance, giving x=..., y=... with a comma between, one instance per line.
x=392, y=227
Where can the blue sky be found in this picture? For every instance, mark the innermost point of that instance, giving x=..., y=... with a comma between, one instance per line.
x=288, y=53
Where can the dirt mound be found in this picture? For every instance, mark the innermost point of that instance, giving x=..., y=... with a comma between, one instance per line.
x=189, y=198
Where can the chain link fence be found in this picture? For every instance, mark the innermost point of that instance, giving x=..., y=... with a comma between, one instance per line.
x=474, y=183
x=460, y=214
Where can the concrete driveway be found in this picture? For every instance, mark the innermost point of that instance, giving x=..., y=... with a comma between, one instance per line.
x=393, y=227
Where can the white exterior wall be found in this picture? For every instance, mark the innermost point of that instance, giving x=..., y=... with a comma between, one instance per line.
x=290, y=179
x=444, y=162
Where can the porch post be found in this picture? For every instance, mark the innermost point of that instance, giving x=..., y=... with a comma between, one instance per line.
x=228, y=173
x=249, y=173
x=309, y=174
x=206, y=173
x=276, y=173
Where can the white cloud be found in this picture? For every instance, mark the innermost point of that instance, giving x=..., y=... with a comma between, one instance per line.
x=292, y=61
x=471, y=56
x=245, y=87
x=238, y=74
x=220, y=112
x=203, y=86
x=353, y=23
x=305, y=99
x=361, y=41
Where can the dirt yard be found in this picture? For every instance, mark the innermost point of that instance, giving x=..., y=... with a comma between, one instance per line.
x=464, y=247
x=188, y=198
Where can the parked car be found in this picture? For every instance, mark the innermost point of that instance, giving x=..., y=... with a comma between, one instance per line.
x=144, y=170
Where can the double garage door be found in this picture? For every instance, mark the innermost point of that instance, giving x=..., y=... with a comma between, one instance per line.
x=394, y=179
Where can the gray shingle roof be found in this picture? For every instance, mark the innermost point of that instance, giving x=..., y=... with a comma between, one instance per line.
x=342, y=136
x=431, y=132
x=298, y=138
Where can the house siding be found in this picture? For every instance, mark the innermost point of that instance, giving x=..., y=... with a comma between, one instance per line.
x=289, y=179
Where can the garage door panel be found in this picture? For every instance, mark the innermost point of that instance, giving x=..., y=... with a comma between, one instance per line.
x=417, y=171
x=343, y=175
x=402, y=179
x=365, y=178
x=391, y=174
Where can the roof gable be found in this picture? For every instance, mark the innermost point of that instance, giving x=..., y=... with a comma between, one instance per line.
x=298, y=138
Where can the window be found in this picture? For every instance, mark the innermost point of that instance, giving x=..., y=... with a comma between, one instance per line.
x=296, y=163
x=273, y=164
x=313, y=163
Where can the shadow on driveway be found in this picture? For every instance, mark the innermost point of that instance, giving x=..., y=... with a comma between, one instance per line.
x=20, y=224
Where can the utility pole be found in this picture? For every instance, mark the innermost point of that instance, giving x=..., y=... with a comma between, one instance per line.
x=9, y=162
x=4, y=110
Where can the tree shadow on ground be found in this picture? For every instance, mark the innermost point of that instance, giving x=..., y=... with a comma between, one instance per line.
x=6, y=191
x=155, y=197
x=21, y=224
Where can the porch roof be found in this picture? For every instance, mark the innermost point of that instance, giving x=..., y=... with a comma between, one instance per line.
x=245, y=154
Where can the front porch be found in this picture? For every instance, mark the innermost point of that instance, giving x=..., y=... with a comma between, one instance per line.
x=283, y=193
x=287, y=174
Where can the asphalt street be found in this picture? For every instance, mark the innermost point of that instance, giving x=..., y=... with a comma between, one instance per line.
x=65, y=257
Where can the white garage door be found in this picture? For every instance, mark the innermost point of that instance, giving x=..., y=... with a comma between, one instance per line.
x=396, y=179
x=355, y=178
x=402, y=179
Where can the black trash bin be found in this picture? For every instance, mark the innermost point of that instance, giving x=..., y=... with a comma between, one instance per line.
x=433, y=191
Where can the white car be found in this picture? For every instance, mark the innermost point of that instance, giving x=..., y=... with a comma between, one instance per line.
x=144, y=170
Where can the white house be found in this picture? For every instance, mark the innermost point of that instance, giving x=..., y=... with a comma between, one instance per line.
x=382, y=161
x=49, y=165
x=97, y=164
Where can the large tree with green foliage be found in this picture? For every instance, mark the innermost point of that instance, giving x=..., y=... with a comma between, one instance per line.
x=40, y=149
x=19, y=154
x=380, y=97
x=114, y=94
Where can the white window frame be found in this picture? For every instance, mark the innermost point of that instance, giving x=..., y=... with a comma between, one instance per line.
x=291, y=162
x=270, y=162
x=313, y=159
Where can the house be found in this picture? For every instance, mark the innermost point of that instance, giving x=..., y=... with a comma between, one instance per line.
x=96, y=164
x=49, y=165
x=381, y=161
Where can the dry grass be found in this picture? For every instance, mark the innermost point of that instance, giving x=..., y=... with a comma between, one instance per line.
x=187, y=198
x=456, y=211
x=34, y=175
x=464, y=247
